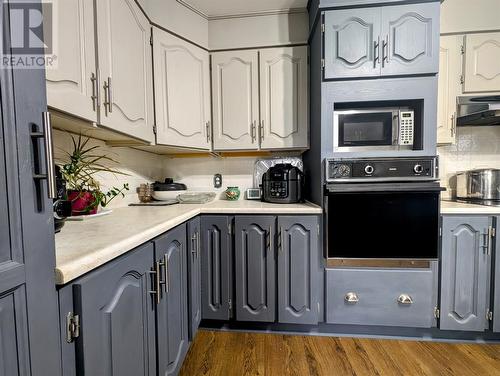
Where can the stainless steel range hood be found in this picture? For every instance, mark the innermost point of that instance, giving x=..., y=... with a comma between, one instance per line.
x=478, y=110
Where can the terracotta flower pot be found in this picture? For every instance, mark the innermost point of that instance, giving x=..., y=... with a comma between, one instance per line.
x=81, y=202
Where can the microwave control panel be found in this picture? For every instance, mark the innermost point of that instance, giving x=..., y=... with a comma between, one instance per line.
x=406, y=126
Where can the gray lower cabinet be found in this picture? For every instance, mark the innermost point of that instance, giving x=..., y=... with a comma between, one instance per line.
x=465, y=271
x=496, y=301
x=117, y=335
x=172, y=309
x=255, y=268
x=194, y=275
x=300, y=273
x=216, y=270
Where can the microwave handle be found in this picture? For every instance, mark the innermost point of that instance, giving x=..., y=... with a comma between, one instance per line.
x=397, y=129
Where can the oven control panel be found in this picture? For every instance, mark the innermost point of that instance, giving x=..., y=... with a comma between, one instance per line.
x=381, y=169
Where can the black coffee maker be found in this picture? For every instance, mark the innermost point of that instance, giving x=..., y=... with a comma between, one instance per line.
x=62, y=206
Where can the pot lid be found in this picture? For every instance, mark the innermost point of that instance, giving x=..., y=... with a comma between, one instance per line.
x=169, y=185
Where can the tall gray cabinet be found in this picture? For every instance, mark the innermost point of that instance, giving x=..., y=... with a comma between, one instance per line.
x=28, y=302
x=194, y=273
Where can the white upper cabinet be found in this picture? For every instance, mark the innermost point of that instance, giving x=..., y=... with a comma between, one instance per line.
x=235, y=96
x=450, y=71
x=182, y=92
x=482, y=62
x=125, y=64
x=352, y=43
x=71, y=86
x=284, y=98
x=410, y=39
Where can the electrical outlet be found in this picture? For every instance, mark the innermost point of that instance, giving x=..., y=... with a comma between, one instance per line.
x=217, y=180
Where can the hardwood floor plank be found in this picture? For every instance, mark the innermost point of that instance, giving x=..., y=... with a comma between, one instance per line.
x=237, y=353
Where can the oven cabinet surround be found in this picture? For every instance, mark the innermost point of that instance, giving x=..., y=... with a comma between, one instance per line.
x=482, y=71
x=182, y=92
x=116, y=89
x=260, y=99
x=380, y=296
x=382, y=41
x=465, y=272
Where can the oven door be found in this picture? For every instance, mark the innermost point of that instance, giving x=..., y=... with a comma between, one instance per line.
x=383, y=221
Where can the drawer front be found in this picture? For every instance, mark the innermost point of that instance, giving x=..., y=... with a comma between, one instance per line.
x=374, y=296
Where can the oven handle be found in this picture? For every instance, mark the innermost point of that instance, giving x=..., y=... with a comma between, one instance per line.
x=417, y=187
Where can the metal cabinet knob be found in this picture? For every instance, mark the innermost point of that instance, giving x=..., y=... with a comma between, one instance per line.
x=405, y=299
x=351, y=298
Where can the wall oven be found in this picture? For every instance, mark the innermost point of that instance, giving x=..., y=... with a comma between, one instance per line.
x=382, y=223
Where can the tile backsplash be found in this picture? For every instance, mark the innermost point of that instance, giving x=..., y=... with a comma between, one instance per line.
x=476, y=147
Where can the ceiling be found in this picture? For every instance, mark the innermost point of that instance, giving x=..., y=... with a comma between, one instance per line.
x=221, y=8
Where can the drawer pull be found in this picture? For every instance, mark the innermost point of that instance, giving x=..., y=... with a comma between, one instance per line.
x=351, y=298
x=405, y=299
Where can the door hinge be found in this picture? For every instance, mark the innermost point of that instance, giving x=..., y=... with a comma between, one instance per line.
x=462, y=49
x=318, y=229
x=230, y=228
x=462, y=79
x=72, y=327
x=489, y=315
x=493, y=232
x=155, y=129
x=436, y=312
x=440, y=231
x=323, y=64
x=151, y=38
x=230, y=305
x=322, y=27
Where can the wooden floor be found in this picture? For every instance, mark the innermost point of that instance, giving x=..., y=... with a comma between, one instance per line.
x=234, y=353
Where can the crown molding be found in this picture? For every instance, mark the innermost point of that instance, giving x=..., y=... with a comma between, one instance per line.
x=186, y=4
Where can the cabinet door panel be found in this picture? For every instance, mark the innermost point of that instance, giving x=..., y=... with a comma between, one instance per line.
x=215, y=268
x=450, y=70
x=298, y=270
x=284, y=98
x=482, y=71
x=123, y=34
x=70, y=85
x=412, y=35
x=464, y=274
x=117, y=317
x=194, y=266
x=172, y=313
x=351, y=43
x=255, y=268
x=182, y=92
x=235, y=95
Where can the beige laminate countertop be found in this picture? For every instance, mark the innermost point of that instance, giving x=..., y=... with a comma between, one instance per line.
x=449, y=207
x=85, y=245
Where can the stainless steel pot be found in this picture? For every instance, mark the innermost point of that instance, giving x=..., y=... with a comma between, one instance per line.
x=481, y=184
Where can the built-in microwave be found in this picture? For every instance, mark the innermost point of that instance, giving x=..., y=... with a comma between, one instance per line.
x=374, y=129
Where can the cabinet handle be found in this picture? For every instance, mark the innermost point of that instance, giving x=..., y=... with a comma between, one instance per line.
x=50, y=174
x=405, y=299
x=156, y=282
x=281, y=240
x=385, y=48
x=453, y=125
x=351, y=298
x=93, y=79
x=376, y=52
x=194, y=245
x=207, y=126
x=166, y=275
x=253, y=131
x=108, y=97
x=198, y=244
x=269, y=241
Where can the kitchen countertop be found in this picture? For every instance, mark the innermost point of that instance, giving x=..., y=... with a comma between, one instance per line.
x=450, y=207
x=85, y=245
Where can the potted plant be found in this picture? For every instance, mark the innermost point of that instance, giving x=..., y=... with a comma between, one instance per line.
x=79, y=171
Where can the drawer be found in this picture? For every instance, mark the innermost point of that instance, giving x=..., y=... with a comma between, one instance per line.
x=370, y=297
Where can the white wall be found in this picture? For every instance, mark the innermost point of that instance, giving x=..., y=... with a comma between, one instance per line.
x=258, y=31
x=459, y=16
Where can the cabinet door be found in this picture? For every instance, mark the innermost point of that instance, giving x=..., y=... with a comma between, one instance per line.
x=182, y=92
x=172, y=312
x=255, y=268
x=216, y=268
x=496, y=287
x=71, y=85
x=450, y=70
x=410, y=39
x=352, y=43
x=464, y=273
x=117, y=317
x=125, y=65
x=283, y=98
x=235, y=96
x=482, y=71
x=194, y=269
x=299, y=272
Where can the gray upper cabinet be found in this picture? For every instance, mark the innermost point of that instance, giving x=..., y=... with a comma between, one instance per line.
x=172, y=310
x=194, y=272
x=465, y=263
x=410, y=39
x=255, y=268
x=299, y=270
x=117, y=318
x=382, y=41
x=216, y=267
x=352, y=43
